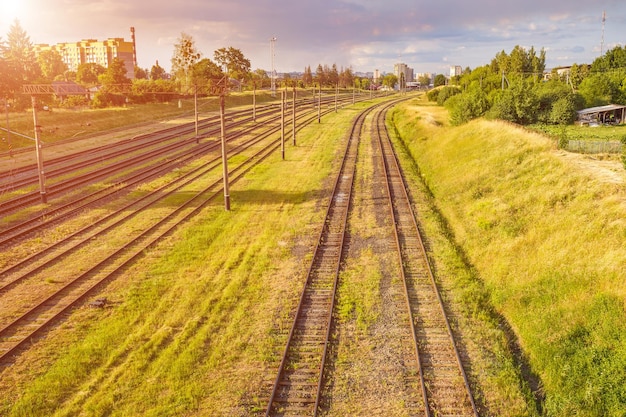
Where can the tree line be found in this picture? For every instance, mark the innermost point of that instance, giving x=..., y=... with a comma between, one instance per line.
x=191, y=72
x=514, y=87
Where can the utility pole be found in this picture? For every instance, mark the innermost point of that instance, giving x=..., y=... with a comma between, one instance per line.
x=272, y=41
x=42, y=177
x=224, y=154
x=6, y=109
x=254, y=102
x=336, y=95
x=282, y=123
x=195, y=105
x=602, y=41
x=319, y=106
x=293, y=122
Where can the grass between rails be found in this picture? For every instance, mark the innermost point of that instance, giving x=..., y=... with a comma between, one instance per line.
x=194, y=326
x=547, y=241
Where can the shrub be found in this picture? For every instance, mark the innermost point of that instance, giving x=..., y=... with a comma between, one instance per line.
x=563, y=111
x=445, y=93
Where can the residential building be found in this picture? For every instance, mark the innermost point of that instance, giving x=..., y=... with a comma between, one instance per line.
x=404, y=73
x=456, y=71
x=94, y=51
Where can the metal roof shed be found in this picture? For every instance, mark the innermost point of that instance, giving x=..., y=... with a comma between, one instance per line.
x=610, y=114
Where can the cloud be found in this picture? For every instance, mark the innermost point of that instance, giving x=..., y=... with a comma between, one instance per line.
x=364, y=34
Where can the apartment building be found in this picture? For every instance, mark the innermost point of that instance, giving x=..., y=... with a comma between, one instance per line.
x=94, y=51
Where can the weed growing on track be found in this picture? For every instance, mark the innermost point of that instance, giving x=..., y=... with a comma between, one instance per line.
x=544, y=234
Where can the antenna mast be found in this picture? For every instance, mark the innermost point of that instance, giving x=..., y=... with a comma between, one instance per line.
x=602, y=42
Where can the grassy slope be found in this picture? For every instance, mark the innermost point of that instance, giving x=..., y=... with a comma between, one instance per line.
x=194, y=327
x=548, y=241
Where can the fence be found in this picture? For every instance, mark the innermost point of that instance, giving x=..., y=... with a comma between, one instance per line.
x=586, y=146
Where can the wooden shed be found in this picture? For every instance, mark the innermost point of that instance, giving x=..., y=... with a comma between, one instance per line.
x=614, y=114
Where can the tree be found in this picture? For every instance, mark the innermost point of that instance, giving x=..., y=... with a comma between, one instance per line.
x=237, y=66
x=206, y=72
x=260, y=78
x=51, y=64
x=307, y=77
x=88, y=73
x=320, y=75
x=19, y=53
x=157, y=72
x=333, y=76
x=390, y=80
x=440, y=79
x=140, y=73
x=185, y=56
x=424, y=80
x=600, y=89
x=115, y=74
x=346, y=78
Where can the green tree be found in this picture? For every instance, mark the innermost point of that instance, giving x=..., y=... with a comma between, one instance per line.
x=51, y=64
x=19, y=53
x=237, y=65
x=184, y=58
x=600, y=89
x=424, y=80
x=390, y=80
x=206, y=73
x=468, y=106
x=88, y=73
x=115, y=74
x=440, y=79
x=260, y=78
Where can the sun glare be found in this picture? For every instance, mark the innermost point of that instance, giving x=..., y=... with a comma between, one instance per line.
x=11, y=9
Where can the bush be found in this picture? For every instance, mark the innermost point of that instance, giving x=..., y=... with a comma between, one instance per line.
x=563, y=111
x=433, y=94
x=467, y=106
x=445, y=93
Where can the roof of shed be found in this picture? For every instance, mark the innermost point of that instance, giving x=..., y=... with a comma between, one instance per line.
x=600, y=109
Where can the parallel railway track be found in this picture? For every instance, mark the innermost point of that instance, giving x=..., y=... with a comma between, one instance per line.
x=442, y=379
x=19, y=325
x=440, y=387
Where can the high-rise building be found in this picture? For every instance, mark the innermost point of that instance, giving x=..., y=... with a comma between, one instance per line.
x=404, y=74
x=456, y=70
x=94, y=51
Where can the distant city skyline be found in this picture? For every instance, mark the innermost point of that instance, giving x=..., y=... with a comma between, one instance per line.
x=365, y=35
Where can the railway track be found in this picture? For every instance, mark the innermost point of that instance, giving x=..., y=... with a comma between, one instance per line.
x=437, y=385
x=443, y=383
x=68, y=173
x=38, y=313
x=17, y=332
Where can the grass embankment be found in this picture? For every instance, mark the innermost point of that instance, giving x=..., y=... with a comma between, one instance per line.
x=193, y=328
x=547, y=240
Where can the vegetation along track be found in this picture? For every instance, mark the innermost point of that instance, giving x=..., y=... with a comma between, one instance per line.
x=20, y=321
x=442, y=379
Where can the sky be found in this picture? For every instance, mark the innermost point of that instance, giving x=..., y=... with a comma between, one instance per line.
x=428, y=36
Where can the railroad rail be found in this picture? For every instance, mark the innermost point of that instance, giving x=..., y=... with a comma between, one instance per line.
x=23, y=326
x=297, y=387
x=442, y=379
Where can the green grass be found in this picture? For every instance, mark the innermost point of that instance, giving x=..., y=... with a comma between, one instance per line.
x=575, y=132
x=192, y=329
x=546, y=240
